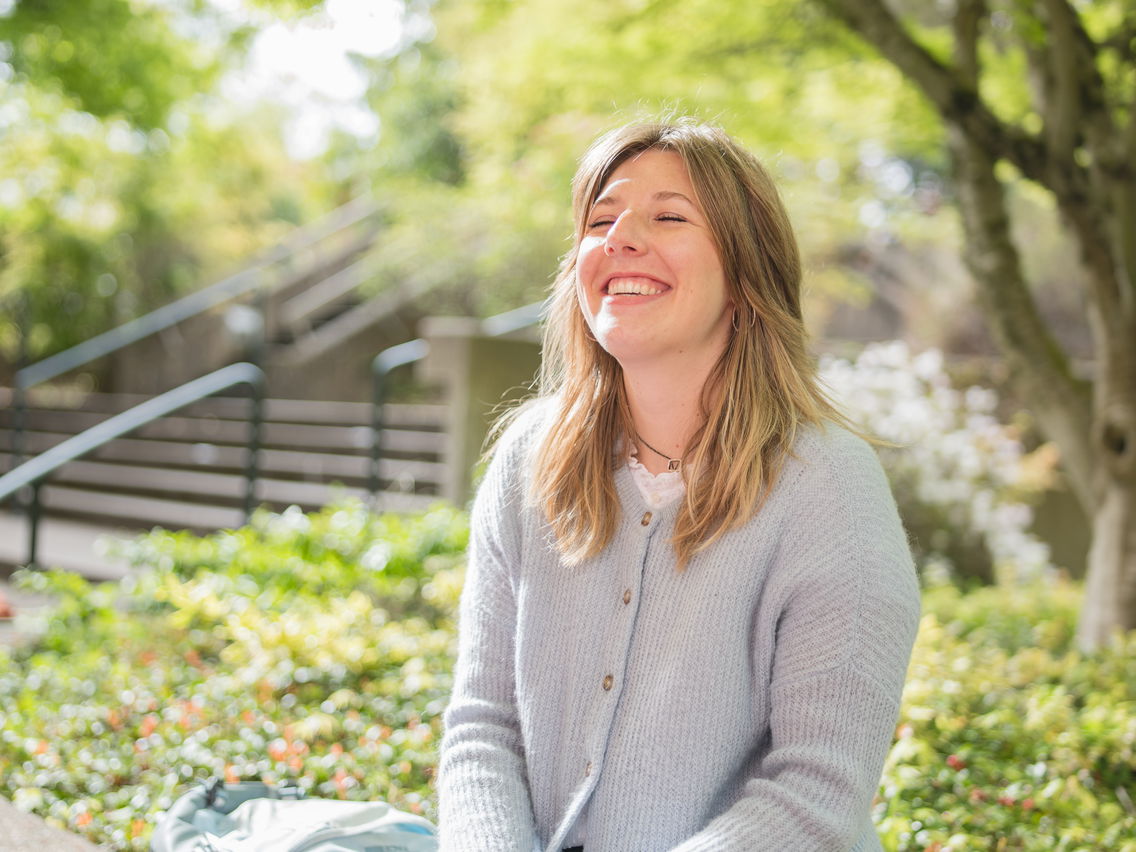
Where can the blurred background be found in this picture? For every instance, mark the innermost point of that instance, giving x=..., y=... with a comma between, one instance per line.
x=150, y=149
x=328, y=178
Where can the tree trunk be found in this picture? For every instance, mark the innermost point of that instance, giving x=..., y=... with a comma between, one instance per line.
x=1097, y=440
x=1060, y=402
x=1110, y=587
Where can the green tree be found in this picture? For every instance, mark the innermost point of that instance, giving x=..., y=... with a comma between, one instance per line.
x=1045, y=91
x=519, y=117
x=123, y=183
x=111, y=58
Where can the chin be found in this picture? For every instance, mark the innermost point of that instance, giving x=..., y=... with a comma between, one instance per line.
x=630, y=352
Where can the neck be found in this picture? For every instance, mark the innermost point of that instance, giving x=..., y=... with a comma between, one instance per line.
x=665, y=410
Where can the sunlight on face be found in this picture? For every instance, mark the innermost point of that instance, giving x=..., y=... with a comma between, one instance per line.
x=649, y=279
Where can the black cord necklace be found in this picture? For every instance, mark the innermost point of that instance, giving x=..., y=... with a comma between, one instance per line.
x=672, y=464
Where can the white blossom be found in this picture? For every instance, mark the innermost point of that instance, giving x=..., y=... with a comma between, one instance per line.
x=954, y=461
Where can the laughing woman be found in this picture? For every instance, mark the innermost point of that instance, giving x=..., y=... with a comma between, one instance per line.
x=690, y=602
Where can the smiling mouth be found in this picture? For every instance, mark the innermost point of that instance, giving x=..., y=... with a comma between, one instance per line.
x=632, y=287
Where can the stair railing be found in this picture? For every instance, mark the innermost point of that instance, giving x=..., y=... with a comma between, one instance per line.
x=415, y=350
x=34, y=472
x=227, y=289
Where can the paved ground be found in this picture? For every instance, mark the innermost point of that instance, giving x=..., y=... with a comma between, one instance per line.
x=63, y=544
x=70, y=545
x=21, y=832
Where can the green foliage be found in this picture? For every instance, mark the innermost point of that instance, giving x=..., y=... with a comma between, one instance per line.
x=319, y=649
x=287, y=8
x=502, y=130
x=272, y=651
x=780, y=74
x=100, y=221
x=122, y=184
x=415, y=94
x=1010, y=739
x=279, y=558
x=114, y=58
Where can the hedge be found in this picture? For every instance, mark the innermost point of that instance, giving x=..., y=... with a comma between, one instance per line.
x=318, y=648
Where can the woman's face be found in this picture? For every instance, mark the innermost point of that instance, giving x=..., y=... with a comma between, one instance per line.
x=648, y=276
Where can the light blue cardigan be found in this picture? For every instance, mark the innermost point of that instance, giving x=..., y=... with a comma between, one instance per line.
x=746, y=703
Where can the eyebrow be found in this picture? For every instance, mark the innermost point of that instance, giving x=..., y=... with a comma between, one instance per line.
x=663, y=195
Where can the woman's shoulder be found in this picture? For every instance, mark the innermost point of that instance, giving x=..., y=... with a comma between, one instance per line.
x=520, y=429
x=840, y=516
x=829, y=455
x=830, y=442
x=518, y=435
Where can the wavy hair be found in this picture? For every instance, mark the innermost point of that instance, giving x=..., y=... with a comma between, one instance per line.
x=760, y=391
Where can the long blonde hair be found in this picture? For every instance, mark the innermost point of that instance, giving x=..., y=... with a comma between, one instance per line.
x=759, y=392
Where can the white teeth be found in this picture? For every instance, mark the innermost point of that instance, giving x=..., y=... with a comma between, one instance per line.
x=627, y=286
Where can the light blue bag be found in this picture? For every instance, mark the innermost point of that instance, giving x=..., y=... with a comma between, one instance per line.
x=255, y=817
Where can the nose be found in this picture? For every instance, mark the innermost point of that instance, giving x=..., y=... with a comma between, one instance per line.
x=624, y=236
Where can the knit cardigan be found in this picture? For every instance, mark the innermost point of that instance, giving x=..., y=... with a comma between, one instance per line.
x=745, y=703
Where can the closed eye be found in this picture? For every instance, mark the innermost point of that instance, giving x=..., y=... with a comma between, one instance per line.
x=607, y=221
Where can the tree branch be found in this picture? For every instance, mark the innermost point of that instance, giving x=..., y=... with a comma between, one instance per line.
x=1096, y=196
x=1080, y=196
x=966, y=23
x=946, y=87
x=1063, y=102
x=1060, y=401
x=1126, y=220
x=1077, y=110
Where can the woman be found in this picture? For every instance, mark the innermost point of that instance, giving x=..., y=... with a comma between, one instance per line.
x=690, y=602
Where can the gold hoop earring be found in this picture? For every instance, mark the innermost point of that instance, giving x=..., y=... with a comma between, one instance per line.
x=735, y=319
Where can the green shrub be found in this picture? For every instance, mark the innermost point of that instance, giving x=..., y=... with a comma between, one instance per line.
x=1009, y=739
x=272, y=651
x=318, y=649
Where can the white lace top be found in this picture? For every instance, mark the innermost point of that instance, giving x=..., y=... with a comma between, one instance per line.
x=658, y=489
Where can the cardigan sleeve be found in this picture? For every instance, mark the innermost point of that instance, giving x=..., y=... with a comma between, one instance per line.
x=484, y=800
x=848, y=616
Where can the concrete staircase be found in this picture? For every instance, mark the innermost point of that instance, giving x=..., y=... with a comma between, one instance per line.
x=308, y=306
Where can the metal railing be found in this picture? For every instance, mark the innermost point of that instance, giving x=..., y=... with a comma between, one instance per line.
x=384, y=362
x=415, y=350
x=33, y=472
x=239, y=284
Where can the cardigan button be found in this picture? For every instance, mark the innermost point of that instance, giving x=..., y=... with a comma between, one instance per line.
x=607, y=682
x=646, y=518
x=587, y=769
x=627, y=596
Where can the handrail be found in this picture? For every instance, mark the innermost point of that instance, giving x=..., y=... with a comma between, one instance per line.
x=34, y=471
x=167, y=316
x=501, y=324
x=384, y=362
x=136, y=329
x=195, y=303
x=417, y=349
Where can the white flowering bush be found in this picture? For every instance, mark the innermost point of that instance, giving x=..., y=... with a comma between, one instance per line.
x=962, y=478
